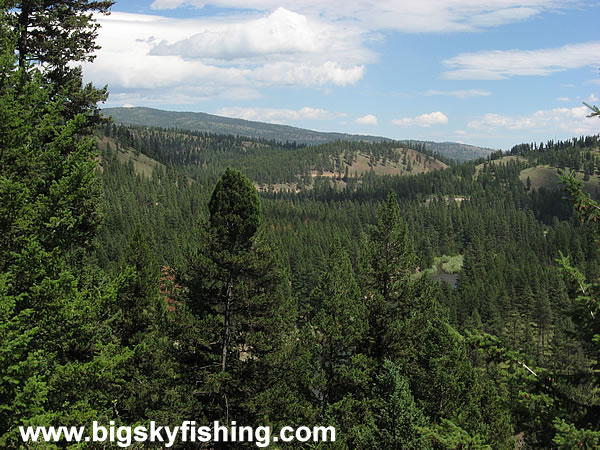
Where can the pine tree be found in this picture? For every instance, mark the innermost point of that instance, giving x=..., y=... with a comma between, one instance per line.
x=391, y=251
x=139, y=303
x=239, y=296
x=51, y=36
x=388, y=263
x=234, y=218
x=50, y=198
x=340, y=321
x=341, y=374
x=397, y=415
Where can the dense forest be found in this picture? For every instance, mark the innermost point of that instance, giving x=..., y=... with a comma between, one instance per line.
x=165, y=275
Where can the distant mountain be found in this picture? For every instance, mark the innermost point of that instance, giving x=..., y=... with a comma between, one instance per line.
x=225, y=125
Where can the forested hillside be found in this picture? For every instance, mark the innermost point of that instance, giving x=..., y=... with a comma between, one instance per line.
x=208, y=123
x=510, y=313
x=161, y=276
x=289, y=166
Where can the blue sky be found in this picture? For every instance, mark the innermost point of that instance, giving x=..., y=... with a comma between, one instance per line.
x=485, y=72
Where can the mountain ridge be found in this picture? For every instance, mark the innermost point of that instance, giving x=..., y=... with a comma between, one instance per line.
x=204, y=122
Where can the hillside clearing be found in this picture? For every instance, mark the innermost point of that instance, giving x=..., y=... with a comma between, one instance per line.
x=547, y=177
x=142, y=164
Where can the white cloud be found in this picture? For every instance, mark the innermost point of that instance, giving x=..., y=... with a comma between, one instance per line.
x=563, y=99
x=424, y=120
x=280, y=116
x=466, y=93
x=369, y=119
x=492, y=121
x=151, y=59
x=179, y=95
x=170, y=4
x=592, y=98
x=424, y=16
x=214, y=57
x=573, y=121
x=503, y=16
x=299, y=74
x=283, y=34
x=123, y=61
x=501, y=64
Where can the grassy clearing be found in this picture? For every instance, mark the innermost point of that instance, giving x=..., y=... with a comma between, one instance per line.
x=142, y=164
x=362, y=164
x=446, y=264
x=546, y=176
x=451, y=264
x=445, y=268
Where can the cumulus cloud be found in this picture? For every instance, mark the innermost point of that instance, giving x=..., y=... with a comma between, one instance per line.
x=301, y=74
x=501, y=64
x=274, y=115
x=573, y=121
x=424, y=16
x=124, y=62
x=151, y=59
x=215, y=58
x=369, y=119
x=179, y=95
x=282, y=34
x=424, y=120
x=465, y=93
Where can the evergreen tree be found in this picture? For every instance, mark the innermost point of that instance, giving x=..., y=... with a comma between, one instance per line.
x=51, y=36
x=239, y=295
x=341, y=373
x=139, y=303
x=397, y=415
x=389, y=262
x=339, y=322
x=234, y=218
x=234, y=212
x=50, y=199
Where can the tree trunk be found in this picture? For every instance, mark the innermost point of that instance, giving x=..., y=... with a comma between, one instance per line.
x=226, y=325
x=23, y=32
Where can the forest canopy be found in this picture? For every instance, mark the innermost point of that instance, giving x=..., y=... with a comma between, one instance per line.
x=152, y=274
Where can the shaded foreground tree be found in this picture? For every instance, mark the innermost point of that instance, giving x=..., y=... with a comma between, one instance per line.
x=239, y=296
x=398, y=418
x=234, y=219
x=417, y=350
x=51, y=36
x=60, y=361
x=584, y=431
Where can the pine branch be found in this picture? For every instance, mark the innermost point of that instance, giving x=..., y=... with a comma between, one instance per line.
x=594, y=108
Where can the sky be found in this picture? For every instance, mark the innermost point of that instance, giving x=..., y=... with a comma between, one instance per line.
x=492, y=73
